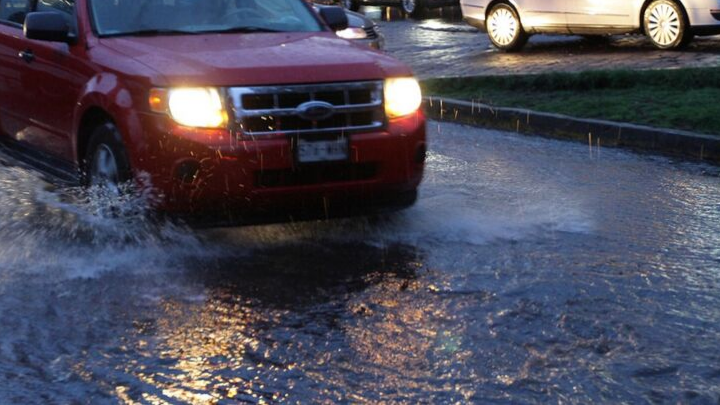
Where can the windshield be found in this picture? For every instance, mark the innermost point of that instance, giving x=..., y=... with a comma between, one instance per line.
x=149, y=17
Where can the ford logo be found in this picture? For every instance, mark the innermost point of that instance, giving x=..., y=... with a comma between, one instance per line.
x=315, y=110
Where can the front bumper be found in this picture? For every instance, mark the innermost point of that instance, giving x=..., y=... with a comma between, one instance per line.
x=212, y=177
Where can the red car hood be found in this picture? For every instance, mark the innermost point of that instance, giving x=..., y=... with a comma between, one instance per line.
x=255, y=59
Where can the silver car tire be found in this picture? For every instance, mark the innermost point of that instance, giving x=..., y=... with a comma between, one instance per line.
x=505, y=28
x=666, y=25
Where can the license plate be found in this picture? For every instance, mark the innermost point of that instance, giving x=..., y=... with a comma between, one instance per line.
x=322, y=151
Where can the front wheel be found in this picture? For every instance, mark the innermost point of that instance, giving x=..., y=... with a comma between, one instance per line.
x=505, y=29
x=106, y=161
x=666, y=25
x=413, y=8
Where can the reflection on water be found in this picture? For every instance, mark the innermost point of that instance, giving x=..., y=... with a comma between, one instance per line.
x=528, y=272
x=242, y=338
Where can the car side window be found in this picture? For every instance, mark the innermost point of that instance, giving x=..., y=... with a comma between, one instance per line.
x=14, y=11
x=64, y=7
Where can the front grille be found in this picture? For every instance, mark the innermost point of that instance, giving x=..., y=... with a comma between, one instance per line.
x=270, y=110
x=371, y=32
x=316, y=174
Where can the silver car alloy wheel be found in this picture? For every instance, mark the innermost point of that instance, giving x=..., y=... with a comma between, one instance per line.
x=409, y=6
x=664, y=24
x=503, y=26
x=105, y=170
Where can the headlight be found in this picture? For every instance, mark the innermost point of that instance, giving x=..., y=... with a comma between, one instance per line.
x=402, y=96
x=198, y=107
x=352, y=33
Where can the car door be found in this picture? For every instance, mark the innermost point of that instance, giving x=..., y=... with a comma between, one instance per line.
x=13, y=103
x=610, y=15
x=53, y=79
x=543, y=15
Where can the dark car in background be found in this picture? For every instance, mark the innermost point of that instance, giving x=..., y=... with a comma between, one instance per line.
x=411, y=7
x=360, y=29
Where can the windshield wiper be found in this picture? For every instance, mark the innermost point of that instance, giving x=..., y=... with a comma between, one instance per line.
x=155, y=31
x=242, y=29
x=151, y=32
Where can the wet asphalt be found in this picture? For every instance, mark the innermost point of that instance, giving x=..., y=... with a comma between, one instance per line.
x=440, y=44
x=530, y=271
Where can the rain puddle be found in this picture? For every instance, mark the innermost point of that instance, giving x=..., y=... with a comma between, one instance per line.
x=528, y=272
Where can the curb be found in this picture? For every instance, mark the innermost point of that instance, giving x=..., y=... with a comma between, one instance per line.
x=596, y=132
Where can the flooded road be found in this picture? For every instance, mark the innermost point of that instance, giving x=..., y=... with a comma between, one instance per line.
x=441, y=44
x=530, y=271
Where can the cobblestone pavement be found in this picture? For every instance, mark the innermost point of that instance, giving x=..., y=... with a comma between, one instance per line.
x=441, y=44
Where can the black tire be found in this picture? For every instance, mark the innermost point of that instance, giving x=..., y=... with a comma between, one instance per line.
x=351, y=5
x=666, y=25
x=506, y=41
x=106, y=139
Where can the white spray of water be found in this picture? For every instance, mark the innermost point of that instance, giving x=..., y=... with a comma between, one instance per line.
x=456, y=205
x=82, y=233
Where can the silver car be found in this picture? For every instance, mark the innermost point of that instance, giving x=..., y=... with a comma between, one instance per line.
x=669, y=24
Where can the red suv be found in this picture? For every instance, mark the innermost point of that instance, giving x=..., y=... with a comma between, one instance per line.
x=240, y=110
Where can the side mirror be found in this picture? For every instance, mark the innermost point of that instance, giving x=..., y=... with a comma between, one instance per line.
x=47, y=26
x=334, y=17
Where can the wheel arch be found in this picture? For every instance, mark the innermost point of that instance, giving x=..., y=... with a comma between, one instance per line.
x=105, y=99
x=510, y=3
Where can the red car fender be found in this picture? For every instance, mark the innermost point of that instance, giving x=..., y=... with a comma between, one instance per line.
x=107, y=92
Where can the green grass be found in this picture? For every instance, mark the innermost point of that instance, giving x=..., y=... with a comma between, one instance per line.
x=686, y=99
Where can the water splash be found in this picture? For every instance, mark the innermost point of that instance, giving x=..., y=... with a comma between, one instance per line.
x=459, y=203
x=437, y=218
x=83, y=232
